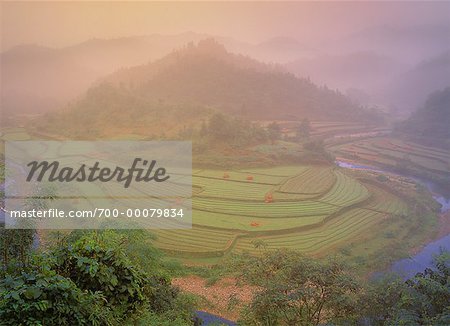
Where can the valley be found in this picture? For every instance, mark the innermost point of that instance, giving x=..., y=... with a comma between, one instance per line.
x=317, y=209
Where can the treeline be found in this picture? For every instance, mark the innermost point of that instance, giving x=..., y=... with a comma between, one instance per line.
x=297, y=290
x=109, y=277
x=237, y=131
x=209, y=75
x=230, y=131
x=182, y=89
x=226, y=129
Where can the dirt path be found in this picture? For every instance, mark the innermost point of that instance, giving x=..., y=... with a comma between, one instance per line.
x=224, y=298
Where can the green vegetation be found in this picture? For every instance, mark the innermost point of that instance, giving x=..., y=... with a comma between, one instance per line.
x=47, y=299
x=422, y=300
x=312, y=209
x=183, y=88
x=253, y=207
x=294, y=290
x=91, y=278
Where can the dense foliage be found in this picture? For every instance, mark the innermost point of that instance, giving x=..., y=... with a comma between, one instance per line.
x=88, y=278
x=100, y=264
x=231, y=130
x=295, y=290
x=422, y=300
x=46, y=298
x=15, y=246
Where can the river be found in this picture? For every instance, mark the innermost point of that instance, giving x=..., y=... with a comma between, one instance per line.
x=408, y=267
x=210, y=319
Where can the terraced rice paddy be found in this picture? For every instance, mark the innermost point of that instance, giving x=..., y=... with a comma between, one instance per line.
x=14, y=134
x=8, y=134
x=347, y=227
x=311, y=208
x=391, y=152
x=314, y=209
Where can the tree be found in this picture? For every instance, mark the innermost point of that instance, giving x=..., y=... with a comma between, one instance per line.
x=304, y=129
x=45, y=298
x=88, y=278
x=98, y=262
x=315, y=145
x=16, y=244
x=422, y=300
x=232, y=131
x=295, y=290
x=274, y=131
x=218, y=127
x=203, y=129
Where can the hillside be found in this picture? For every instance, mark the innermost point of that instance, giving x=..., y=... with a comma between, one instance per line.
x=409, y=44
x=410, y=89
x=431, y=123
x=179, y=89
x=209, y=75
x=37, y=79
x=363, y=70
x=70, y=71
x=116, y=113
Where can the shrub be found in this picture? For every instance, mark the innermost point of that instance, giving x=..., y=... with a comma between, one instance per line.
x=97, y=264
x=382, y=178
x=89, y=279
x=295, y=290
x=45, y=298
x=15, y=246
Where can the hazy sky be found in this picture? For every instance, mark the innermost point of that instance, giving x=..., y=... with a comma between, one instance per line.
x=59, y=24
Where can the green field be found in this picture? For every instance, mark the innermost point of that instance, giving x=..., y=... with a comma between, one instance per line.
x=317, y=209
x=314, y=209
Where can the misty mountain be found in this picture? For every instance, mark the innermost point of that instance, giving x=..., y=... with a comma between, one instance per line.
x=430, y=123
x=207, y=74
x=279, y=49
x=362, y=70
x=183, y=87
x=409, y=44
x=36, y=78
x=409, y=90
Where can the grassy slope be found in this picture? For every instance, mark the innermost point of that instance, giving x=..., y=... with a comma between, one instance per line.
x=316, y=209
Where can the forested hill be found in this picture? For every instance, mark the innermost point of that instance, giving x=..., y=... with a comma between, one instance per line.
x=207, y=74
x=184, y=87
x=431, y=123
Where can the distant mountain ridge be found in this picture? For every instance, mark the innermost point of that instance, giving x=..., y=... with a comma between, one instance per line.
x=184, y=87
x=363, y=69
x=37, y=78
x=410, y=89
x=430, y=124
x=207, y=74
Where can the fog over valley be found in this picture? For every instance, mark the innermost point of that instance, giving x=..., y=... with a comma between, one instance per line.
x=235, y=163
x=390, y=63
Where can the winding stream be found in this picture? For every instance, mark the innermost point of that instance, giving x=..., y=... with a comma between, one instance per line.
x=408, y=267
